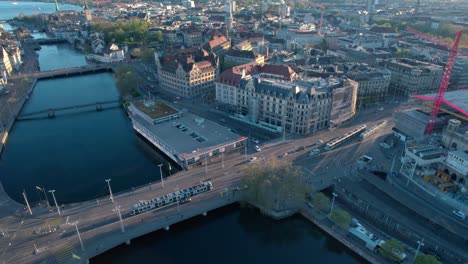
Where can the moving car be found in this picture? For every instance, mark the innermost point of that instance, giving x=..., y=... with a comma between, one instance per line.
x=459, y=214
x=252, y=159
x=314, y=152
x=258, y=149
x=283, y=155
x=254, y=140
x=300, y=148
x=318, y=142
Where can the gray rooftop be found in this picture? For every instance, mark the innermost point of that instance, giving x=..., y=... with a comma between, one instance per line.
x=458, y=98
x=190, y=134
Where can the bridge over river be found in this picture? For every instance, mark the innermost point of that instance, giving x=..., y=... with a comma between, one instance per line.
x=51, y=112
x=47, y=237
x=65, y=72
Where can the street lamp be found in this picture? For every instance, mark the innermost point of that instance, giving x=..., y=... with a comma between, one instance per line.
x=78, y=233
x=117, y=209
x=161, y=174
x=333, y=202
x=55, y=201
x=222, y=159
x=420, y=244
x=110, y=190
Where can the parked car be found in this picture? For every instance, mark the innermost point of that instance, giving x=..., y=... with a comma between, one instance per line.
x=258, y=149
x=283, y=155
x=318, y=142
x=252, y=159
x=459, y=213
x=254, y=140
x=314, y=152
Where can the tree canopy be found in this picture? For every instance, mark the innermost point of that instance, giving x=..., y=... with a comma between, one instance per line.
x=133, y=31
x=321, y=202
x=341, y=218
x=127, y=80
x=275, y=184
x=426, y=259
x=390, y=248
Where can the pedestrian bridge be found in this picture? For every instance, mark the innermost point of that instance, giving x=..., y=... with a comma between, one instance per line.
x=51, y=112
x=82, y=70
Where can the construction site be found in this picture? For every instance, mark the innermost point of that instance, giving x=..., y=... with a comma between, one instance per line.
x=434, y=131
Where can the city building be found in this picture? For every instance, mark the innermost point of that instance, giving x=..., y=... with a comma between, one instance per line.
x=218, y=45
x=272, y=96
x=457, y=166
x=186, y=75
x=411, y=77
x=455, y=136
x=110, y=54
x=373, y=83
x=410, y=124
x=237, y=57
x=5, y=64
x=183, y=137
x=192, y=36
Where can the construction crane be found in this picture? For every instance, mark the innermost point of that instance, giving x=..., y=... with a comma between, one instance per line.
x=434, y=40
x=445, y=78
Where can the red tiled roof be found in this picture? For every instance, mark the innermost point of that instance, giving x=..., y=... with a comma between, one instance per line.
x=203, y=64
x=233, y=76
x=216, y=41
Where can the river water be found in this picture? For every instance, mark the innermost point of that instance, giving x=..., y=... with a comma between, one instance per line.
x=11, y=9
x=75, y=153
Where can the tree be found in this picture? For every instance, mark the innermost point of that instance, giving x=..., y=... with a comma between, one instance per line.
x=321, y=201
x=156, y=36
x=426, y=259
x=341, y=218
x=390, y=249
x=275, y=185
x=147, y=56
x=127, y=80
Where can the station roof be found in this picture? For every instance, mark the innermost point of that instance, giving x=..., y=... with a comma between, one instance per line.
x=190, y=135
x=457, y=100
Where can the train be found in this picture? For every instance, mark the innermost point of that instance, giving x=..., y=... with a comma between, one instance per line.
x=335, y=142
x=367, y=133
x=180, y=196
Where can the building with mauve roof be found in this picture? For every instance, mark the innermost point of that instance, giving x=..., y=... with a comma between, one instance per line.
x=273, y=97
x=186, y=74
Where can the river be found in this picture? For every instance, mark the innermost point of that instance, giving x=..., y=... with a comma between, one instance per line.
x=11, y=9
x=75, y=153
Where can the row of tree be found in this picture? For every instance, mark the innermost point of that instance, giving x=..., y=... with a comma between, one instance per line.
x=132, y=32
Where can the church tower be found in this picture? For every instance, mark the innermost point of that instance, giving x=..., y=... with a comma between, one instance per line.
x=57, y=8
x=87, y=12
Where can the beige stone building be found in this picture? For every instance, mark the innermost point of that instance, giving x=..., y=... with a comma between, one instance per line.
x=412, y=77
x=186, y=75
x=274, y=97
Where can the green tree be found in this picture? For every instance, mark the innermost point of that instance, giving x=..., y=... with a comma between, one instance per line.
x=147, y=56
x=341, y=218
x=127, y=81
x=426, y=259
x=275, y=184
x=386, y=24
x=391, y=249
x=321, y=201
